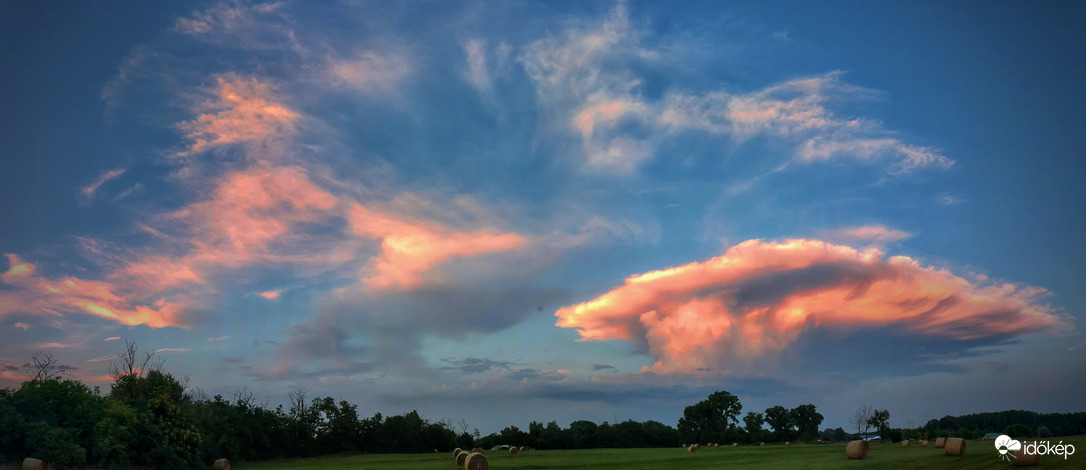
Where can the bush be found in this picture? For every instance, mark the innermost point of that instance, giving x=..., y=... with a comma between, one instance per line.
x=1018, y=430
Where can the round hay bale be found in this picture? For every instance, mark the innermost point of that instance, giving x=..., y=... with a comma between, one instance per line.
x=954, y=446
x=940, y=442
x=761, y=443
x=32, y=464
x=476, y=461
x=477, y=449
x=513, y=450
x=523, y=448
x=221, y=464
x=787, y=443
x=905, y=443
x=857, y=450
x=461, y=458
x=1022, y=459
x=735, y=444
x=693, y=448
x=924, y=442
x=457, y=451
x=716, y=445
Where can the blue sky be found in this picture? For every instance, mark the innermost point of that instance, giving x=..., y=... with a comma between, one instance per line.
x=513, y=211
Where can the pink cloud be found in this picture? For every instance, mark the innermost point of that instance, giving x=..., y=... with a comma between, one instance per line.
x=240, y=111
x=877, y=234
x=39, y=295
x=270, y=295
x=759, y=297
x=409, y=248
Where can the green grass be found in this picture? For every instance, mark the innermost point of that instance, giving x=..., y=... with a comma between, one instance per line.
x=978, y=455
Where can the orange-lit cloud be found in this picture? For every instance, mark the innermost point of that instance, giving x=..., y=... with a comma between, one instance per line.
x=759, y=297
x=38, y=295
x=240, y=111
x=409, y=248
x=270, y=295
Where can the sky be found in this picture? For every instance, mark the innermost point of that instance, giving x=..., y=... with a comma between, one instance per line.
x=503, y=212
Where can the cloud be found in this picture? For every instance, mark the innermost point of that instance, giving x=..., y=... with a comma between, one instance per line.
x=240, y=110
x=759, y=297
x=112, y=338
x=89, y=191
x=878, y=235
x=477, y=73
x=410, y=247
x=270, y=295
x=22, y=325
x=591, y=76
x=598, y=367
x=369, y=72
x=474, y=365
x=38, y=295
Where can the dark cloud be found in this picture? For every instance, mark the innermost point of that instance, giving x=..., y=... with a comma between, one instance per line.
x=596, y=367
x=474, y=365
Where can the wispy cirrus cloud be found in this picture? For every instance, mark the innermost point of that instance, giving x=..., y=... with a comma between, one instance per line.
x=758, y=298
x=88, y=192
x=588, y=74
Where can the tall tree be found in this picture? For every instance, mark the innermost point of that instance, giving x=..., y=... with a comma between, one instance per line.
x=753, y=421
x=806, y=419
x=712, y=419
x=780, y=419
x=880, y=419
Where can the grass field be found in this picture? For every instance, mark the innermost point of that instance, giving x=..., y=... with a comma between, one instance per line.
x=978, y=455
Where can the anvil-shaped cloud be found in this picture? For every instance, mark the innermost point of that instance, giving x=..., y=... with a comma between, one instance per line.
x=759, y=297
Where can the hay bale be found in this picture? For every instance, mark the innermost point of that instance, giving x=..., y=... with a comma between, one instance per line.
x=513, y=451
x=940, y=442
x=924, y=442
x=461, y=458
x=857, y=450
x=693, y=448
x=787, y=443
x=735, y=444
x=476, y=461
x=954, y=446
x=761, y=443
x=32, y=464
x=221, y=464
x=716, y=445
x=477, y=449
x=905, y=443
x=1022, y=459
x=457, y=451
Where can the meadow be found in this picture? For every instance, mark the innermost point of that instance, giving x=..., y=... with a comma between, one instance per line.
x=978, y=455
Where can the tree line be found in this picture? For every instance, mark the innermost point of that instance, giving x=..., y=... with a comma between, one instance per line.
x=716, y=419
x=1015, y=423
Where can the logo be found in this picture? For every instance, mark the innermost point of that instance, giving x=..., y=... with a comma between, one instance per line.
x=1007, y=446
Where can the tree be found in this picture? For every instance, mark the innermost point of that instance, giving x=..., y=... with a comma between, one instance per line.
x=129, y=363
x=880, y=419
x=712, y=419
x=780, y=419
x=806, y=419
x=1018, y=430
x=862, y=419
x=753, y=422
x=43, y=366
